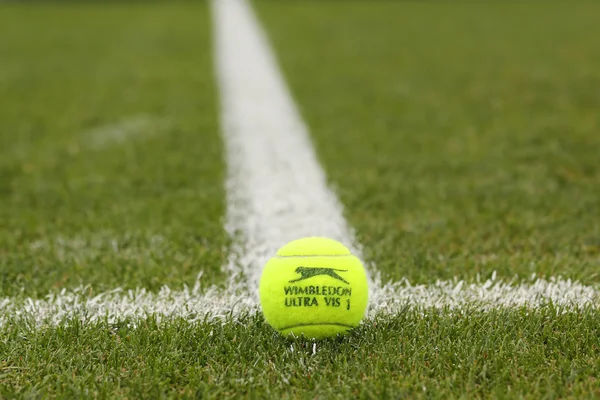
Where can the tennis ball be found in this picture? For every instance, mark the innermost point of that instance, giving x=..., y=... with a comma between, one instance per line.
x=314, y=287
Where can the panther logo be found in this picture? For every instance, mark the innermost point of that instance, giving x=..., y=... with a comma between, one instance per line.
x=306, y=273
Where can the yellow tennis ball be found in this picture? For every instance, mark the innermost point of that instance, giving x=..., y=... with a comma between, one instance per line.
x=314, y=287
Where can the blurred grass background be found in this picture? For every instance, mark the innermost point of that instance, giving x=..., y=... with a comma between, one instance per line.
x=111, y=160
x=461, y=136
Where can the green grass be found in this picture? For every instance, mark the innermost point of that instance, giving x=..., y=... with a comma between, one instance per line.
x=502, y=354
x=462, y=137
x=76, y=209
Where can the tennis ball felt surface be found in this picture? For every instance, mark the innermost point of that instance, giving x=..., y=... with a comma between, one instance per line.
x=314, y=287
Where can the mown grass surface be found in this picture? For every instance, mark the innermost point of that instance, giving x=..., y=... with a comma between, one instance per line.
x=436, y=354
x=111, y=164
x=462, y=137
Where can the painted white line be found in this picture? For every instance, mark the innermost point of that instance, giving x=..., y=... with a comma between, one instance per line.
x=196, y=304
x=276, y=189
x=491, y=294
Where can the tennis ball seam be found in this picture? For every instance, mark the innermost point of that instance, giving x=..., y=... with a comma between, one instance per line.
x=316, y=255
x=318, y=324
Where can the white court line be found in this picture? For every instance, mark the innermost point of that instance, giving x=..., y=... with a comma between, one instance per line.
x=276, y=189
x=196, y=304
x=277, y=192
